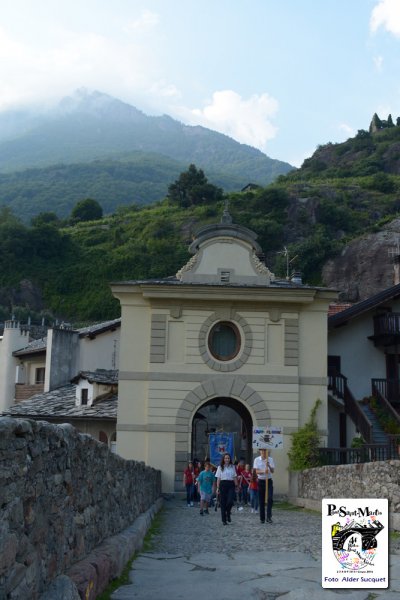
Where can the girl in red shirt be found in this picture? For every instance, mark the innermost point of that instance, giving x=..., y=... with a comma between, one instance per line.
x=253, y=490
x=188, y=482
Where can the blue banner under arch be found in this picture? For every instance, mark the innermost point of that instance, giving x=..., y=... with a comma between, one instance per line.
x=219, y=444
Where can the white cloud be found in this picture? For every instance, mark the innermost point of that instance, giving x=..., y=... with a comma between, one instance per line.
x=30, y=73
x=386, y=14
x=378, y=62
x=347, y=129
x=147, y=21
x=246, y=120
x=165, y=90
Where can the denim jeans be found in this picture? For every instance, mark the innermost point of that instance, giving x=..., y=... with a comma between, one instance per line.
x=254, y=499
x=244, y=494
x=189, y=492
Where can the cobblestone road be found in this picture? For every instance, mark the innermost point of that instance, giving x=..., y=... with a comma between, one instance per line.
x=245, y=558
x=184, y=529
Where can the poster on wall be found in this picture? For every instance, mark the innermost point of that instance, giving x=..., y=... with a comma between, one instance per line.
x=219, y=444
x=270, y=437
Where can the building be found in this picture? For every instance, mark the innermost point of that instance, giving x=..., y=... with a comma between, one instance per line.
x=222, y=333
x=363, y=361
x=89, y=403
x=66, y=376
x=31, y=366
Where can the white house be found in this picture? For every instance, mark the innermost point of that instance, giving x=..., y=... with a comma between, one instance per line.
x=363, y=360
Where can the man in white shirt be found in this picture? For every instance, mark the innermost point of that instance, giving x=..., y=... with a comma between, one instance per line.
x=264, y=469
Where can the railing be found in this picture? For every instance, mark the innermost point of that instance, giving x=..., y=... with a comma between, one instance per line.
x=388, y=389
x=366, y=453
x=382, y=399
x=387, y=324
x=338, y=384
x=24, y=391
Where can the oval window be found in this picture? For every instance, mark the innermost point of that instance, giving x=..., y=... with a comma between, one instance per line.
x=224, y=340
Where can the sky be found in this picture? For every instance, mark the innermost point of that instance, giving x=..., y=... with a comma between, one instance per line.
x=283, y=76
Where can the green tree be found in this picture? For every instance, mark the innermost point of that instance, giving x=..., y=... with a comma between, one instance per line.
x=86, y=210
x=192, y=188
x=45, y=218
x=390, y=121
x=383, y=183
x=304, y=453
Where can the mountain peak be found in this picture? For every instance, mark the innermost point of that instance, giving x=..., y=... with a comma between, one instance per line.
x=100, y=105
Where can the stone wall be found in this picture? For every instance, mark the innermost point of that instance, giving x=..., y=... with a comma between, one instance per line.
x=62, y=494
x=364, y=480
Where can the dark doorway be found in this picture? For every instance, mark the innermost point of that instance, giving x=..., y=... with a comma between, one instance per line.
x=334, y=365
x=392, y=377
x=223, y=414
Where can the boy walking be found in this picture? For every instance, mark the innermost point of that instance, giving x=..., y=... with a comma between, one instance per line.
x=205, y=481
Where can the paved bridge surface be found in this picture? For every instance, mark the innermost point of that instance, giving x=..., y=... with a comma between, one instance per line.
x=195, y=556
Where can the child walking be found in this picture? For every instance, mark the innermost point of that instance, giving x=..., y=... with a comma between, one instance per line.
x=205, y=481
x=253, y=490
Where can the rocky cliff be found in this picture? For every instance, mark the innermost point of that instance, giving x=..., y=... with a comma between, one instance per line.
x=365, y=266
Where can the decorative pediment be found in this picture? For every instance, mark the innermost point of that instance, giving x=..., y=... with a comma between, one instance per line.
x=225, y=253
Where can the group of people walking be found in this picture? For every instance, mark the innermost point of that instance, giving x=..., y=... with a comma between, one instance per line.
x=230, y=481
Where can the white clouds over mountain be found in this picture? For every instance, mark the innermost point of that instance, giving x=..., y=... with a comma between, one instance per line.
x=246, y=120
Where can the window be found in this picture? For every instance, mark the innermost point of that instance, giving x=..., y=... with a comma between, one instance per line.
x=84, y=396
x=103, y=437
x=39, y=375
x=225, y=276
x=224, y=340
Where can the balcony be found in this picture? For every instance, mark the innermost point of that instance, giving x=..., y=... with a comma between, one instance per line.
x=386, y=329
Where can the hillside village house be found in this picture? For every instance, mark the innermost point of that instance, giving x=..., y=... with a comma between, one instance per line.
x=66, y=376
x=221, y=335
x=364, y=360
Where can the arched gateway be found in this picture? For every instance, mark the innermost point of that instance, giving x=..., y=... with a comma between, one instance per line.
x=226, y=390
x=223, y=332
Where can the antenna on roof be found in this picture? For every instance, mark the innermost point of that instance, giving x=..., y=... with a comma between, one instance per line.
x=289, y=260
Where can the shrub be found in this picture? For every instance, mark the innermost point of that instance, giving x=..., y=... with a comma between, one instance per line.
x=304, y=453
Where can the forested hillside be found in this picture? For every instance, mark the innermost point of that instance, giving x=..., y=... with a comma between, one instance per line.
x=312, y=214
x=95, y=145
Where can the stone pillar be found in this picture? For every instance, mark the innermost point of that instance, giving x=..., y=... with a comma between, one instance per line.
x=62, y=357
x=14, y=338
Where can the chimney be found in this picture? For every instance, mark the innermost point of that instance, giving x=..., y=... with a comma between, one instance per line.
x=396, y=269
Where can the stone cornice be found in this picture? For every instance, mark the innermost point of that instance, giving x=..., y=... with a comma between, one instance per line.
x=291, y=295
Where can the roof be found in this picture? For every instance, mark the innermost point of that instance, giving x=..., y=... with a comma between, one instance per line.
x=364, y=306
x=34, y=347
x=108, y=377
x=92, y=330
x=338, y=307
x=174, y=281
x=60, y=404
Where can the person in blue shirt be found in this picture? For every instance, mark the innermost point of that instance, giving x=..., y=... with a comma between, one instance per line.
x=205, y=482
